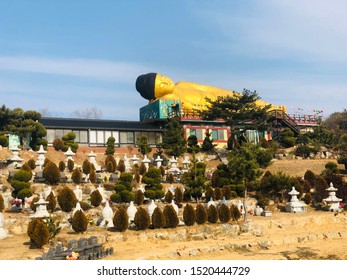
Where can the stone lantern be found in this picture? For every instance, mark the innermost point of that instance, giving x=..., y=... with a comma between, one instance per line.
x=332, y=201
x=69, y=155
x=146, y=162
x=158, y=161
x=294, y=205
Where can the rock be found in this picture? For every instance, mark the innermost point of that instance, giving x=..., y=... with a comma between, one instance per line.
x=196, y=237
x=265, y=245
x=162, y=235
x=193, y=252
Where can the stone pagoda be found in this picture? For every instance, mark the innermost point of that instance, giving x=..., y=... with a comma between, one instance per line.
x=295, y=205
x=333, y=203
x=41, y=158
x=41, y=208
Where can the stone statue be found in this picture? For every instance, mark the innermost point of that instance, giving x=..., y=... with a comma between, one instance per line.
x=153, y=86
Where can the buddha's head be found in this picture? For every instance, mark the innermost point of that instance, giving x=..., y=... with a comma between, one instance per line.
x=153, y=85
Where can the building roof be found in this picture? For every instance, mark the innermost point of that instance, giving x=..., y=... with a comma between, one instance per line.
x=73, y=123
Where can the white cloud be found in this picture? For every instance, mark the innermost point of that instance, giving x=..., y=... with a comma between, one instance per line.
x=111, y=71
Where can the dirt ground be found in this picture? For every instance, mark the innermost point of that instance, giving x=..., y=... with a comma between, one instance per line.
x=284, y=236
x=311, y=235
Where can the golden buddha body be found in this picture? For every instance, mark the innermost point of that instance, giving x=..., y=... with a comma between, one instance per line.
x=153, y=86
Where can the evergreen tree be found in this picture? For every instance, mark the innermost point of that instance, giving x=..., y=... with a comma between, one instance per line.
x=51, y=173
x=174, y=142
x=207, y=145
x=142, y=143
x=110, y=146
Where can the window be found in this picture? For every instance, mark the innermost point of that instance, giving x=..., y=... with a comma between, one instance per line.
x=100, y=137
x=59, y=133
x=77, y=133
x=92, y=136
x=215, y=134
x=199, y=134
x=50, y=135
x=126, y=137
x=107, y=135
x=83, y=136
x=151, y=138
x=218, y=134
x=115, y=134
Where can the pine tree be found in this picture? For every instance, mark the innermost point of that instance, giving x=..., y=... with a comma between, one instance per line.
x=174, y=142
x=142, y=219
x=110, y=146
x=201, y=214
x=158, y=218
x=121, y=220
x=189, y=215
x=79, y=222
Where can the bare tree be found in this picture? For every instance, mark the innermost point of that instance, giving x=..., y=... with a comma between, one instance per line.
x=45, y=112
x=88, y=113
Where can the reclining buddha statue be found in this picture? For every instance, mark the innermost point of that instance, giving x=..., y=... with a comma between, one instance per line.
x=154, y=86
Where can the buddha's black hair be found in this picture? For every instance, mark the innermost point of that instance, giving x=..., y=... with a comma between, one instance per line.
x=145, y=85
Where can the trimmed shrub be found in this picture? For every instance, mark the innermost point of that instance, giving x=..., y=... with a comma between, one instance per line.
x=86, y=167
x=116, y=198
x=62, y=166
x=70, y=164
x=201, y=214
x=158, y=218
x=235, y=212
x=139, y=197
x=189, y=215
x=33, y=201
x=137, y=178
x=46, y=161
x=38, y=233
x=308, y=198
x=76, y=176
x=233, y=194
x=22, y=175
x=331, y=167
x=226, y=192
x=52, y=202
x=142, y=219
x=51, y=173
x=178, y=195
x=121, y=220
x=18, y=186
x=209, y=193
x=67, y=199
x=171, y=178
x=171, y=219
x=92, y=177
x=58, y=144
x=109, y=187
x=150, y=194
x=224, y=214
x=159, y=194
x=121, y=166
x=126, y=196
x=27, y=168
x=79, y=222
x=320, y=185
x=162, y=171
x=2, y=203
x=212, y=214
x=110, y=146
x=168, y=197
x=95, y=198
x=32, y=164
x=3, y=141
x=24, y=193
x=142, y=169
x=187, y=196
x=110, y=158
x=218, y=193
x=85, y=205
x=310, y=177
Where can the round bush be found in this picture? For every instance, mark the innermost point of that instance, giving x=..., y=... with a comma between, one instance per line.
x=58, y=144
x=51, y=173
x=52, y=202
x=3, y=141
x=27, y=168
x=212, y=214
x=121, y=220
x=139, y=197
x=142, y=219
x=85, y=205
x=24, y=193
x=86, y=167
x=95, y=198
x=168, y=197
x=201, y=214
x=189, y=215
x=76, y=176
x=126, y=196
x=62, y=166
x=38, y=233
x=159, y=194
x=119, y=187
x=209, y=193
x=158, y=218
x=235, y=212
x=150, y=194
x=224, y=214
x=67, y=199
x=18, y=185
x=70, y=165
x=22, y=176
x=171, y=219
x=79, y=222
x=116, y=198
x=178, y=195
x=218, y=193
x=32, y=164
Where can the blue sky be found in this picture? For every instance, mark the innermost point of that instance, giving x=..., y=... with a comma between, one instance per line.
x=68, y=55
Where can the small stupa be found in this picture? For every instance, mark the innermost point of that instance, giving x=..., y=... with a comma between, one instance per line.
x=295, y=205
x=332, y=201
x=41, y=208
x=131, y=211
x=107, y=216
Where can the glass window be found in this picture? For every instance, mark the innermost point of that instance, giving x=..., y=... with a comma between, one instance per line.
x=107, y=135
x=130, y=137
x=158, y=138
x=137, y=134
x=221, y=134
x=92, y=136
x=100, y=137
x=66, y=131
x=215, y=134
x=115, y=134
x=59, y=133
x=83, y=136
x=50, y=135
x=199, y=134
x=151, y=138
x=193, y=132
x=77, y=133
